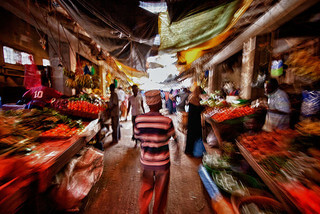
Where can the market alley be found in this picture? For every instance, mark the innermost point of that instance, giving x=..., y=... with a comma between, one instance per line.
x=117, y=190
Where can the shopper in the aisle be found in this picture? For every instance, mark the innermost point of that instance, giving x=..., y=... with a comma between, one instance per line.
x=114, y=114
x=136, y=104
x=154, y=131
x=278, y=107
x=194, y=131
x=184, y=94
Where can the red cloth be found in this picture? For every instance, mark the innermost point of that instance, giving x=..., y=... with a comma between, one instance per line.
x=157, y=181
x=41, y=95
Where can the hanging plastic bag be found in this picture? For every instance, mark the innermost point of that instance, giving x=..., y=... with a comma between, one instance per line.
x=32, y=77
x=75, y=182
x=198, y=148
x=311, y=103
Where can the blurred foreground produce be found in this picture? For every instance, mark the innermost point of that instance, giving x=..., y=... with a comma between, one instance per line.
x=265, y=144
x=308, y=127
x=20, y=129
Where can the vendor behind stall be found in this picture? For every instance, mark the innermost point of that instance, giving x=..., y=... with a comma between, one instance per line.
x=40, y=96
x=278, y=107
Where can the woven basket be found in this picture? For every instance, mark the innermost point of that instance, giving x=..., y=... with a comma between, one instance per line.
x=260, y=201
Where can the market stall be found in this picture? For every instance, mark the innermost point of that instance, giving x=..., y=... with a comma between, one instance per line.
x=286, y=162
x=226, y=120
x=35, y=146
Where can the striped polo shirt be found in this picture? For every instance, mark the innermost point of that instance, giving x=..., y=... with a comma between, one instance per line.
x=154, y=131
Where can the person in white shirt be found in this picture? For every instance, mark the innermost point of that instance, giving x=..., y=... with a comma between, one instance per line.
x=136, y=101
x=278, y=116
x=122, y=101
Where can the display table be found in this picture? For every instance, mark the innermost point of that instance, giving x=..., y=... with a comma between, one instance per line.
x=46, y=160
x=286, y=201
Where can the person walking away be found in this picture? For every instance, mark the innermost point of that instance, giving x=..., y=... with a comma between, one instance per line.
x=136, y=102
x=278, y=107
x=114, y=114
x=194, y=131
x=40, y=96
x=122, y=101
x=154, y=131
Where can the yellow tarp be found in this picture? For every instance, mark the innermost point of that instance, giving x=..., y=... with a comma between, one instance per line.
x=130, y=71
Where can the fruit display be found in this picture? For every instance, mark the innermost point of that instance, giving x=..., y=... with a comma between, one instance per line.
x=79, y=107
x=20, y=129
x=232, y=113
x=264, y=143
x=80, y=81
x=61, y=131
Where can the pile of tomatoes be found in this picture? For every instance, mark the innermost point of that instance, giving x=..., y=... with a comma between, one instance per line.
x=61, y=130
x=231, y=113
x=84, y=106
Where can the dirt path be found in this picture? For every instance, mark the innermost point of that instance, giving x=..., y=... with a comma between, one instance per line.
x=118, y=189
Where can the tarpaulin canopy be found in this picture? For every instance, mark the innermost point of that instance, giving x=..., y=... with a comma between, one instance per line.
x=121, y=27
x=196, y=29
x=186, y=57
x=179, y=9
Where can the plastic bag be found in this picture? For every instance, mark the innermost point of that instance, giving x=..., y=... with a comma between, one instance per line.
x=32, y=77
x=198, y=148
x=212, y=140
x=75, y=182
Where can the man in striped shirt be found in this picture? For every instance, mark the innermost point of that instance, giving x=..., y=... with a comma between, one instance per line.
x=154, y=131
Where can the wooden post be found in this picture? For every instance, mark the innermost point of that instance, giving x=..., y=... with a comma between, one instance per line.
x=103, y=73
x=247, y=67
x=210, y=81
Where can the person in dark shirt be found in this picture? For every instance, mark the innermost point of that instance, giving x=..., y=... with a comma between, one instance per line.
x=40, y=96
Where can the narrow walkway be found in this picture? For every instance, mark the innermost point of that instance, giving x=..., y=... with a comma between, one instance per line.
x=117, y=190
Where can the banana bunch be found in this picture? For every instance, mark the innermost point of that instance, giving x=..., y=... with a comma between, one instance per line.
x=70, y=83
x=68, y=73
x=84, y=81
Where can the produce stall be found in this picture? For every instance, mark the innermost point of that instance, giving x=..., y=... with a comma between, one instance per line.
x=288, y=162
x=227, y=122
x=34, y=146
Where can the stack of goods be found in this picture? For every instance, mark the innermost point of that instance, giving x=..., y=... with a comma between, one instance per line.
x=304, y=65
x=232, y=113
x=84, y=106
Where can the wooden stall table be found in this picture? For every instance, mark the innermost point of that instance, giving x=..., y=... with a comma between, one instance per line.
x=46, y=160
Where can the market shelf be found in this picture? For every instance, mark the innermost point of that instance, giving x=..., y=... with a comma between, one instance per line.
x=286, y=200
